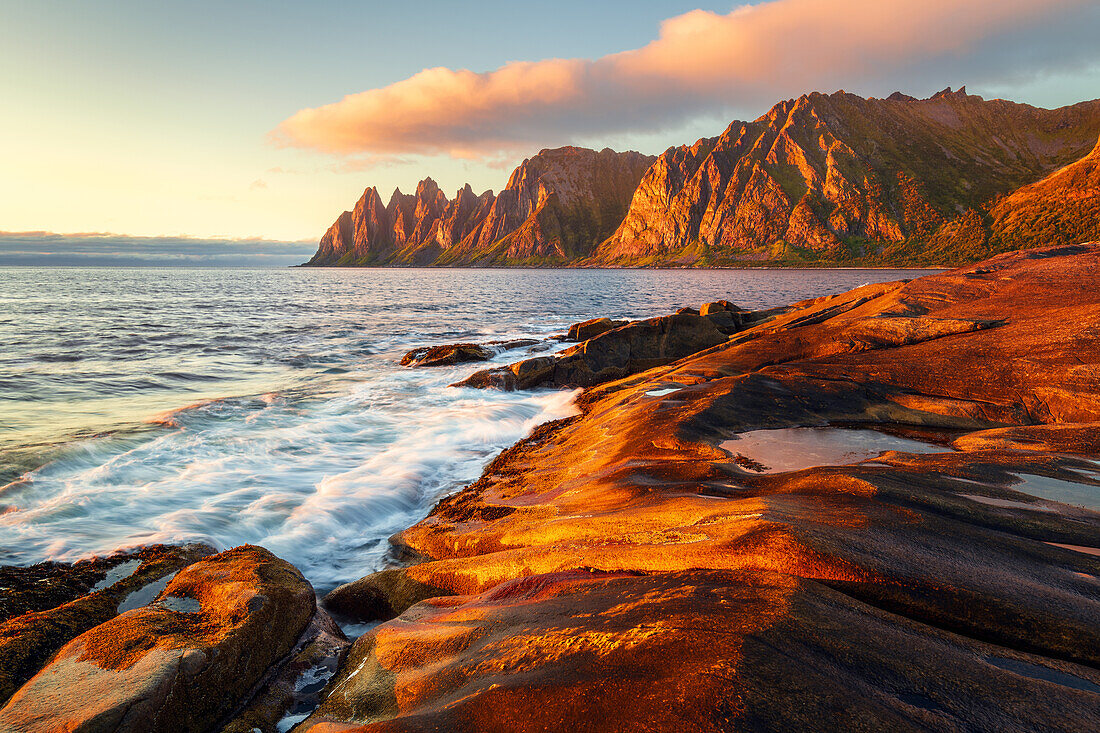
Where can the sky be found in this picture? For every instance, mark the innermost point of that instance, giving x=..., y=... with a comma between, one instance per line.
x=261, y=121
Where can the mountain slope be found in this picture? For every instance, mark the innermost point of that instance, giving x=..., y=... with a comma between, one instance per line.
x=557, y=207
x=839, y=178
x=1063, y=208
x=823, y=179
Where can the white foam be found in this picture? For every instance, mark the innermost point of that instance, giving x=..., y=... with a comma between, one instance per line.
x=319, y=479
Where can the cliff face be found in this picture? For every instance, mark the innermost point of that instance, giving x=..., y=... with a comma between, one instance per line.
x=838, y=177
x=829, y=179
x=557, y=207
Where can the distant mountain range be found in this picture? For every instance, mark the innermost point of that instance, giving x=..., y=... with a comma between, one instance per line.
x=820, y=180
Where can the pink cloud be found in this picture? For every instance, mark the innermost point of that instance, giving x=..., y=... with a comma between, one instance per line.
x=701, y=62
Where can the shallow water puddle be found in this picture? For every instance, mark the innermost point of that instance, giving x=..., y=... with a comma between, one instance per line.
x=117, y=573
x=1008, y=503
x=1066, y=492
x=1038, y=672
x=180, y=605
x=144, y=595
x=792, y=449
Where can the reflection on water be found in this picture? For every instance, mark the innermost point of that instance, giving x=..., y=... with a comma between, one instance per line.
x=1066, y=492
x=792, y=449
x=267, y=406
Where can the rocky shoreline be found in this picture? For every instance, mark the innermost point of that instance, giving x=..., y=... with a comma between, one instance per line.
x=673, y=557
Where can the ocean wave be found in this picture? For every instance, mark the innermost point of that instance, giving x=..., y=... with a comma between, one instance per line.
x=320, y=480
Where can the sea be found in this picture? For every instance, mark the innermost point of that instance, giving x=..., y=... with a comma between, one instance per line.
x=268, y=406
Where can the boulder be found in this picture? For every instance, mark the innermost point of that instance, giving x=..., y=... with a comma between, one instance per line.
x=47, y=605
x=182, y=663
x=718, y=306
x=379, y=596
x=728, y=322
x=635, y=347
x=446, y=355
x=593, y=327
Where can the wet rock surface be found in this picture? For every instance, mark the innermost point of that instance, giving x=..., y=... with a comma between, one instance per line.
x=445, y=355
x=170, y=665
x=293, y=688
x=612, y=354
x=47, y=605
x=449, y=354
x=379, y=596
x=619, y=570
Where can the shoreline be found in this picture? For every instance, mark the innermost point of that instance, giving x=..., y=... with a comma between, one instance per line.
x=641, y=564
x=480, y=551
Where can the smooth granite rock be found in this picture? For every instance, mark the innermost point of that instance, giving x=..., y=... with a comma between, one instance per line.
x=47, y=605
x=593, y=327
x=183, y=663
x=623, y=570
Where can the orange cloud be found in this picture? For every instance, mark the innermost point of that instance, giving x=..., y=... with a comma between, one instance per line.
x=702, y=62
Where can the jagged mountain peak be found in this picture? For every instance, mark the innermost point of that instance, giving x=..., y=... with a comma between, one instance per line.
x=557, y=204
x=821, y=177
x=836, y=176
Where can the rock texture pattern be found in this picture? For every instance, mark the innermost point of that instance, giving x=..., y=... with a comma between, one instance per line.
x=182, y=663
x=622, y=570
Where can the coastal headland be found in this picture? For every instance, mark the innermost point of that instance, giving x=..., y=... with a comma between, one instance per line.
x=878, y=510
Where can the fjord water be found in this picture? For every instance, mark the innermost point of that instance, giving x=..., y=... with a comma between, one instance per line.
x=268, y=406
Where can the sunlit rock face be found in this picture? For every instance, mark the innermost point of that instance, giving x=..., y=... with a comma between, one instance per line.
x=628, y=569
x=558, y=206
x=45, y=606
x=832, y=177
x=184, y=662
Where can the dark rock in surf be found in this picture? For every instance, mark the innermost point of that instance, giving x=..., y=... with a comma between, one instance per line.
x=379, y=596
x=449, y=354
x=445, y=355
x=591, y=328
x=635, y=347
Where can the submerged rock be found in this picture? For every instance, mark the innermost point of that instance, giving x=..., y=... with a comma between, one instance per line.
x=448, y=354
x=155, y=668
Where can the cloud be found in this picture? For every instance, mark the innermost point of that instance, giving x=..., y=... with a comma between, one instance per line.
x=364, y=162
x=705, y=63
x=95, y=248
x=258, y=185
